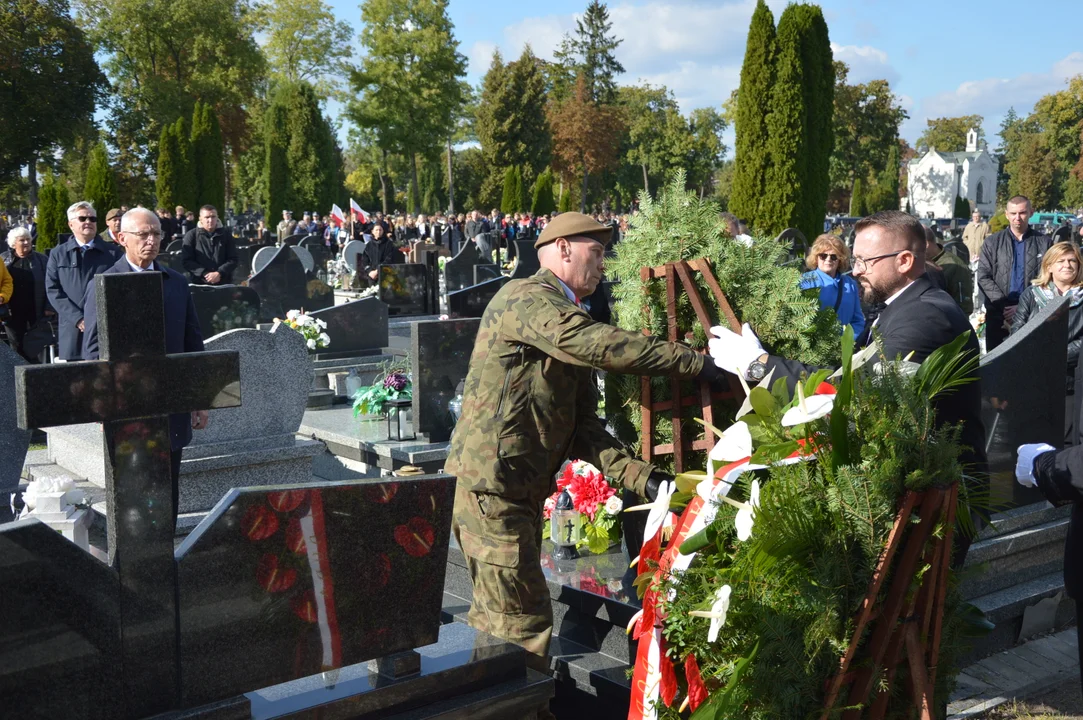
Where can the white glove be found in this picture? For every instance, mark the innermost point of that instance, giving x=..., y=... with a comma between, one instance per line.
x=732, y=352
x=1024, y=466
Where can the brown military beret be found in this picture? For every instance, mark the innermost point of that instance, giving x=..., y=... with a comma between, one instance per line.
x=112, y=213
x=568, y=224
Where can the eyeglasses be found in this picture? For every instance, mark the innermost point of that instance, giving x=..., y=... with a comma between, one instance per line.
x=144, y=236
x=86, y=219
x=862, y=264
x=828, y=256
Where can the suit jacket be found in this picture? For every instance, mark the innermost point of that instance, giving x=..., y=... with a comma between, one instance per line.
x=67, y=275
x=182, y=332
x=920, y=320
x=203, y=252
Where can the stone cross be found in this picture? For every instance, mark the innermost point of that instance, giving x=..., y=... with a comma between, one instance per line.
x=132, y=391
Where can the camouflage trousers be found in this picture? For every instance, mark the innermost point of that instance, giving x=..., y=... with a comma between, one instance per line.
x=501, y=540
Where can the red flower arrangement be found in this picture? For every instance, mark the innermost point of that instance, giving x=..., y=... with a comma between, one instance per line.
x=594, y=497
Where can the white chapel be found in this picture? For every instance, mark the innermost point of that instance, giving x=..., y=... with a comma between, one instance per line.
x=937, y=177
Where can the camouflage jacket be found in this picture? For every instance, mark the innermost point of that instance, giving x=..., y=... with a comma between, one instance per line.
x=530, y=400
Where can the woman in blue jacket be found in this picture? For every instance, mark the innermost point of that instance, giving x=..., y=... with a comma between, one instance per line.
x=828, y=262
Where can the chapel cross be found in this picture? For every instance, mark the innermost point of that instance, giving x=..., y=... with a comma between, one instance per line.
x=132, y=391
x=570, y=527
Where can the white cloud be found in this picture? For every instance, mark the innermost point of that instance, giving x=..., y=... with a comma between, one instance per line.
x=480, y=55
x=865, y=62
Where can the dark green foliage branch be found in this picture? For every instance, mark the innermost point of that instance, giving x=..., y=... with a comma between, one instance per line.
x=101, y=183
x=542, y=203
x=962, y=207
x=165, y=185
x=753, y=109
x=208, y=159
x=819, y=530
x=53, y=204
x=857, y=199
x=187, y=192
x=276, y=172
x=513, y=190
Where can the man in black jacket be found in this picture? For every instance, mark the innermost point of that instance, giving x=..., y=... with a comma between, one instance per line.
x=918, y=318
x=380, y=251
x=207, y=253
x=1009, y=260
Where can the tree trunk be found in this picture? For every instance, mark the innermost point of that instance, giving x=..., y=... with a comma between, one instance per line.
x=450, y=180
x=383, y=181
x=32, y=179
x=646, y=185
x=413, y=183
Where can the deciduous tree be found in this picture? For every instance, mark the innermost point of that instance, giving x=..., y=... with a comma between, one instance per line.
x=304, y=41
x=948, y=134
x=586, y=137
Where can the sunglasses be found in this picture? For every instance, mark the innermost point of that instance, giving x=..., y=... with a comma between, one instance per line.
x=86, y=218
x=828, y=256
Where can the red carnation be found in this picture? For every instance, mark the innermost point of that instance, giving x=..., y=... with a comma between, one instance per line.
x=259, y=523
x=416, y=537
x=589, y=492
x=273, y=578
x=286, y=500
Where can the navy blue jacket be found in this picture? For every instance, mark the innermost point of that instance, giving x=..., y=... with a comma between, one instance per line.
x=181, y=331
x=67, y=276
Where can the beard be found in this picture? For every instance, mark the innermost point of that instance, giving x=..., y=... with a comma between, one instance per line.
x=876, y=294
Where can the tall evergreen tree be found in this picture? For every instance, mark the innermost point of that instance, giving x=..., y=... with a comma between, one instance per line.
x=187, y=192
x=513, y=190
x=818, y=88
x=753, y=109
x=53, y=204
x=884, y=195
x=857, y=198
x=165, y=185
x=208, y=161
x=590, y=53
x=276, y=172
x=308, y=152
x=101, y=183
x=542, y=203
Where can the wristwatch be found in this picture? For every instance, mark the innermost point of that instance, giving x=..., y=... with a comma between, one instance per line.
x=757, y=369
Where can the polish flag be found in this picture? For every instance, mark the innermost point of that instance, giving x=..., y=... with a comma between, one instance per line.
x=337, y=216
x=358, y=213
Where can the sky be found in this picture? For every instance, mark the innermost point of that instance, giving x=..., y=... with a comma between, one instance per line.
x=943, y=58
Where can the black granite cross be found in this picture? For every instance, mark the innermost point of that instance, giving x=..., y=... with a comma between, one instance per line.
x=131, y=391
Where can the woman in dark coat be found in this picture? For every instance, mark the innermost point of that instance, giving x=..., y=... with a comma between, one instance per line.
x=27, y=326
x=1061, y=273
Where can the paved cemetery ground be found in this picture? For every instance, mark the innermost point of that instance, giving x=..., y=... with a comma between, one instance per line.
x=1062, y=701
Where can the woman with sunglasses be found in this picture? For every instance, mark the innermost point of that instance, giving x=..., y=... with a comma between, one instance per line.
x=828, y=262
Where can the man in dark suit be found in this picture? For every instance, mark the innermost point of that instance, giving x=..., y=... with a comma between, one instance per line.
x=918, y=318
x=71, y=267
x=207, y=251
x=141, y=237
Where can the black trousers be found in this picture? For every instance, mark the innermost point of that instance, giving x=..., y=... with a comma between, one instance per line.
x=994, y=327
x=174, y=476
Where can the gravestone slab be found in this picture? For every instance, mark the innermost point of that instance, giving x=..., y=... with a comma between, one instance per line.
x=459, y=270
x=470, y=302
x=14, y=441
x=283, y=583
x=440, y=358
x=526, y=259
x=174, y=246
x=262, y=257
x=294, y=239
x=305, y=257
x=243, y=270
x=355, y=328
x=172, y=260
x=321, y=254
x=225, y=307
x=283, y=285
x=351, y=253
x=795, y=240
x=485, y=271
x=405, y=289
x=1016, y=412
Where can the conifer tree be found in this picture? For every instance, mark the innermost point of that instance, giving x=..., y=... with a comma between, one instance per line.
x=165, y=185
x=590, y=54
x=52, y=211
x=753, y=109
x=884, y=194
x=962, y=207
x=101, y=183
x=818, y=88
x=566, y=200
x=542, y=202
x=276, y=175
x=857, y=198
x=509, y=202
x=187, y=194
x=207, y=158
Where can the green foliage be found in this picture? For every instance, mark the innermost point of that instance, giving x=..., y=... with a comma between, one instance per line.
x=511, y=124
x=753, y=109
x=509, y=202
x=857, y=199
x=866, y=122
x=565, y=204
x=998, y=222
x=52, y=215
x=186, y=188
x=681, y=226
x=47, y=63
x=208, y=162
x=884, y=194
x=948, y=134
x=276, y=172
x=589, y=53
x=101, y=183
x=819, y=530
x=304, y=41
x=542, y=203
x=962, y=207
x=165, y=185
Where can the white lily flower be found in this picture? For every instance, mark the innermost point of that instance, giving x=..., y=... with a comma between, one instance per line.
x=860, y=358
x=659, y=510
x=746, y=516
x=321, y=324
x=311, y=343
x=807, y=409
x=746, y=406
x=325, y=339
x=717, y=614
x=292, y=314
x=735, y=444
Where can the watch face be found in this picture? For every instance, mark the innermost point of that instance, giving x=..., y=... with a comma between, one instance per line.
x=757, y=370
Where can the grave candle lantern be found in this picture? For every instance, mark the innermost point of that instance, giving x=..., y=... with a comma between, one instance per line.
x=396, y=413
x=566, y=527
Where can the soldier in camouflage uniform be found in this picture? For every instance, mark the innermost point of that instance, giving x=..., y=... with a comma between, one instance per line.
x=530, y=402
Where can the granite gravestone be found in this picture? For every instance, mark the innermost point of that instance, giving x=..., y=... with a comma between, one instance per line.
x=526, y=259
x=294, y=239
x=14, y=441
x=245, y=254
x=305, y=257
x=283, y=285
x=321, y=254
x=171, y=260
x=440, y=358
x=405, y=289
x=174, y=246
x=459, y=270
x=261, y=257
x=352, y=252
x=1017, y=412
x=356, y=328
x=131, y=391
x=794, y=241
x=471, y=302
x=225, y=307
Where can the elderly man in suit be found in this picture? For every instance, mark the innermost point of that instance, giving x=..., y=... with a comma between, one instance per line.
x=918, y=318
x=141, y=236
x=71, y=267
